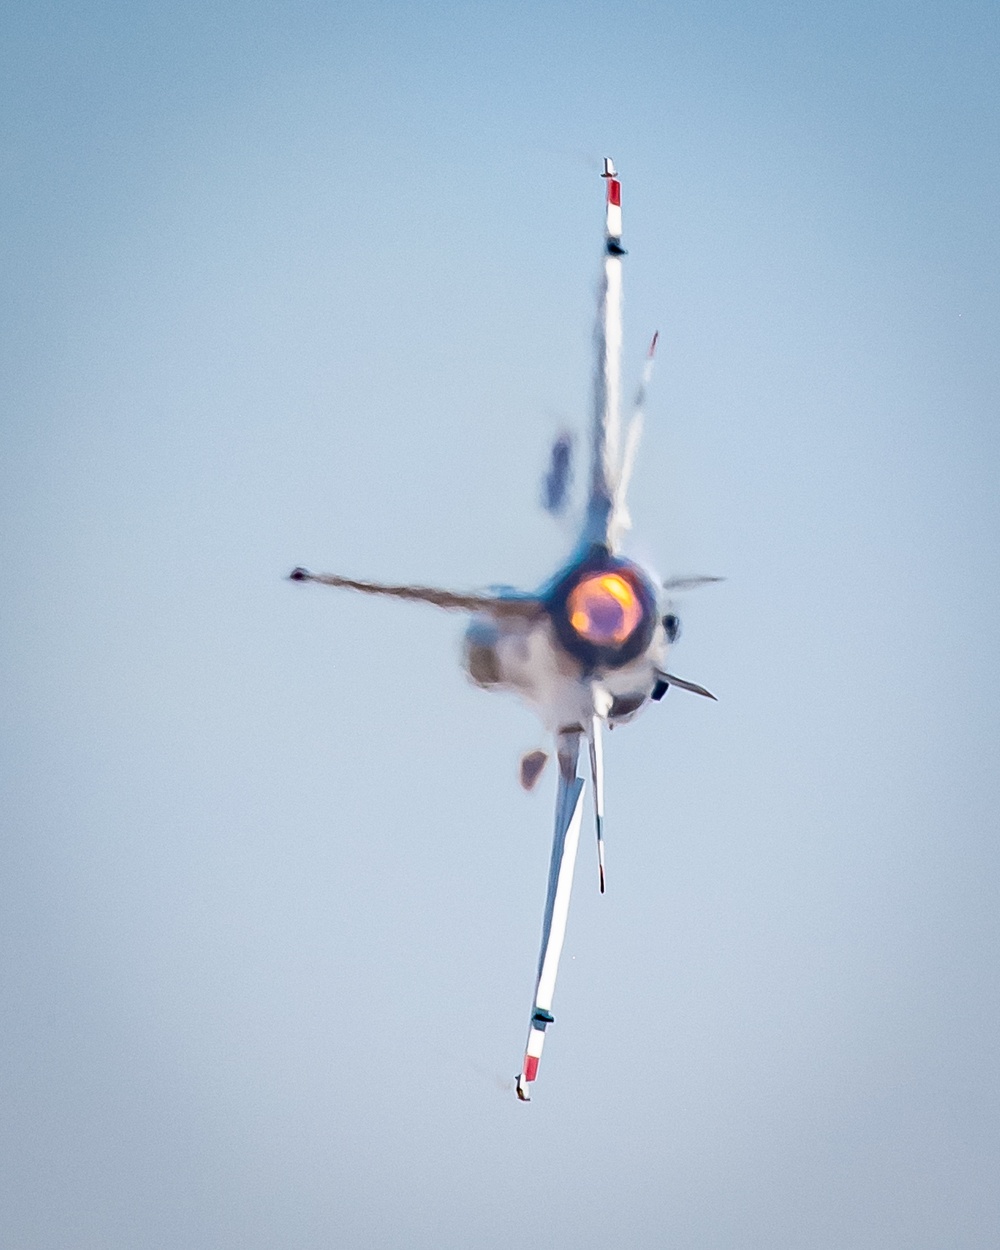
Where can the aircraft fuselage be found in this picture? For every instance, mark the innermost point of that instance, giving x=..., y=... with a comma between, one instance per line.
x=597, y=643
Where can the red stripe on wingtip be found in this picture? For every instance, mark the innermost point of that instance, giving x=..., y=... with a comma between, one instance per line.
x=530, y=1067
x=614, y=191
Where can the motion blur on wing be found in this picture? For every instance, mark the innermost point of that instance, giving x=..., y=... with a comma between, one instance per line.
x=587, y=650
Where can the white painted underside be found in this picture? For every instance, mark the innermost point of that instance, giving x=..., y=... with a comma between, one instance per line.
x=536, y=1040
x=560, y=910
x=532, y=663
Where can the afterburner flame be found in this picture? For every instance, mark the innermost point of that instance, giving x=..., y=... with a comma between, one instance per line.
x=604, y=609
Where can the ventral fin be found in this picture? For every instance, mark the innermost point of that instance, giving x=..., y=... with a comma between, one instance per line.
x=532, y=766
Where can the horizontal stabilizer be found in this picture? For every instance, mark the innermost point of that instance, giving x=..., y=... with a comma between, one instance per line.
x=689, y=583
x=452, y=601
x=681, y=684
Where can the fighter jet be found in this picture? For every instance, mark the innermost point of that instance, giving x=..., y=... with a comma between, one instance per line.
x=589, y=648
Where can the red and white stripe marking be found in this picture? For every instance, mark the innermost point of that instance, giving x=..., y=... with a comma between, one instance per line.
x=614, y=211
x=532, y=1054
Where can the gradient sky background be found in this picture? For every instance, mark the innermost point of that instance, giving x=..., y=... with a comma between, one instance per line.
x=314, y=284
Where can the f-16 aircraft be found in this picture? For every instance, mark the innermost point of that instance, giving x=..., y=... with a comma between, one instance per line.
x=589, y=648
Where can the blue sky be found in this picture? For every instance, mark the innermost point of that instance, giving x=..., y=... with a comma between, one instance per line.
x=311, y=285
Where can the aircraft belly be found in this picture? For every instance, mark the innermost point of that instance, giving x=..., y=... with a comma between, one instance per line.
x=527, y=658
x=539, y=670
x=625, y=690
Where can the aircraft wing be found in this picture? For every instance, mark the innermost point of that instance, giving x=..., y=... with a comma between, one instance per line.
x=605, y=450
x=566, y=839
x=453, y=601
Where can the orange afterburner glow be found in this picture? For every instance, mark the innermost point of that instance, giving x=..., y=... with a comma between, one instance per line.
x=604, y=609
